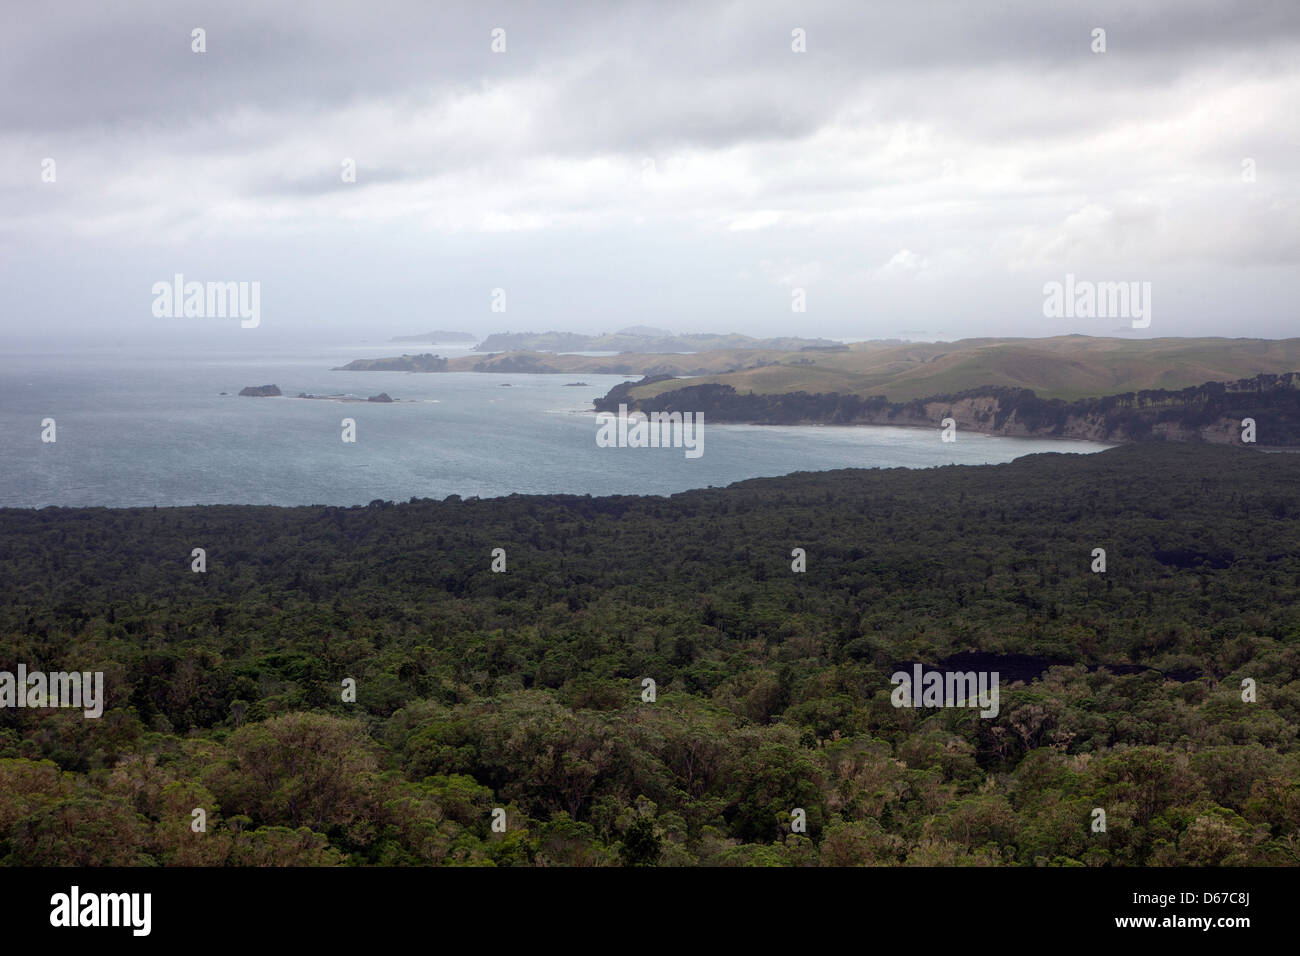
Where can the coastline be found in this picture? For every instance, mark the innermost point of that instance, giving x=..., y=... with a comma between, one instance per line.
x=1240, y=412
x=929, y=426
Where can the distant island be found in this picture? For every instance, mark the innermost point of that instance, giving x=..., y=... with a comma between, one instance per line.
x=547, y=363
x=641, y=350
x=400, y=363
x=640, y=338
x=436, y=336
x=273, y=391
x=383, y=398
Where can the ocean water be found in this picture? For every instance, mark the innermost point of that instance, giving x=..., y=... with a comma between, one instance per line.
x=153, y=429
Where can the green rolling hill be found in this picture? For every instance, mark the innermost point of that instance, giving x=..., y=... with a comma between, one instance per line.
x=1066, y=367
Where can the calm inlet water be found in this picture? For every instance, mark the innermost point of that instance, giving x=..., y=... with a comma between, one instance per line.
x=154, y=429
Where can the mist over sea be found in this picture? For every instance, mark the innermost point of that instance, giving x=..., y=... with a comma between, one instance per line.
x=150, y=427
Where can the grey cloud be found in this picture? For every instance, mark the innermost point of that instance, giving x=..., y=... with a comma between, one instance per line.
x=980, y=137
x=89, y=64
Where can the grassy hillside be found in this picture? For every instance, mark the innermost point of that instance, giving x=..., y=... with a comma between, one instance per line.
x=1066, y=367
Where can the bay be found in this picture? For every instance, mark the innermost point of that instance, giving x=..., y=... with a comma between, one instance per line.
x=140, y=428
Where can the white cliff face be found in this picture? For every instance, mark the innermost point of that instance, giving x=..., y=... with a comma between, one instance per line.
x=979, y=414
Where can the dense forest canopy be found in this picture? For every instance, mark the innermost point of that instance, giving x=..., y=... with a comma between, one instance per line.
x=523, y=689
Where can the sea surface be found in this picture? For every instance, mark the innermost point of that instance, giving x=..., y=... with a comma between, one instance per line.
x=151, y=427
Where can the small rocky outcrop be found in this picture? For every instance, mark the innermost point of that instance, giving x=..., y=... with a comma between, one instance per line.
x=260, y=391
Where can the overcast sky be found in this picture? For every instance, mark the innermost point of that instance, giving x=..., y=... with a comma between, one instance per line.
x=920, y=171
